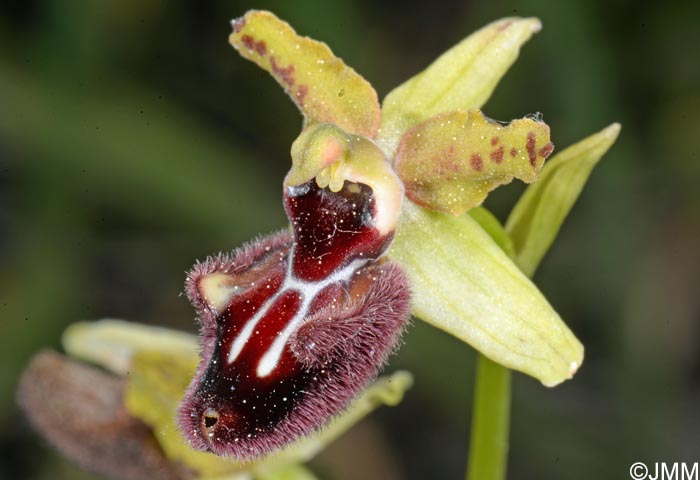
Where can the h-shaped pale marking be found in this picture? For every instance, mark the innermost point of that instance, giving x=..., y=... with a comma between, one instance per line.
x=307, y=292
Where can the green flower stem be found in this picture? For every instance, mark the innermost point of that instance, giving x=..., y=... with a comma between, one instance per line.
x=488, y=446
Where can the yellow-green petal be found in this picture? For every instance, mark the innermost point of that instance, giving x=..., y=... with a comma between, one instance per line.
x=462, y=78
x=451, y=161
x=465, y=284
x=536, y=218
x=111, y=343
x=323, y=87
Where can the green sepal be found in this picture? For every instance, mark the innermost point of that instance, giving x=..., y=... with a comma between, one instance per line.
x=536, y=218
x=466, y=285
x=493, y=227
x=462, y=78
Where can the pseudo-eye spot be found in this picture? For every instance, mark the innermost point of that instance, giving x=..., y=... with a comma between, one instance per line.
x=293, y=325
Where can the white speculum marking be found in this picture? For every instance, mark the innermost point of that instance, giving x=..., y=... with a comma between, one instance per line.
x=307, y=291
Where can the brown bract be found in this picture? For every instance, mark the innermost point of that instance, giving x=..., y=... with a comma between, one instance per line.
x=80, y=411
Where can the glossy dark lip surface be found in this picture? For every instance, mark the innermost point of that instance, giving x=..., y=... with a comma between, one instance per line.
x=331, y=229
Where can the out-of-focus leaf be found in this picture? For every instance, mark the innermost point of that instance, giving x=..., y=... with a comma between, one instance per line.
x=536, y=218
x=52, y=268
x=462, y=78
x=111, y=343
x=99, y=145
x=465, y=284
x=451, y=162
x=323, y=87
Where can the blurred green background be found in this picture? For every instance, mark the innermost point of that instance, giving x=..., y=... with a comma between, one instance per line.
x=133, y=140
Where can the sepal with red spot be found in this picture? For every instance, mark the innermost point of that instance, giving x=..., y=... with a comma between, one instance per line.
x=322, y=86
x=450, y=162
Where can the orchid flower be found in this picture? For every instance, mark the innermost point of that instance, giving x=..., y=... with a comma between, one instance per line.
x=384, y=208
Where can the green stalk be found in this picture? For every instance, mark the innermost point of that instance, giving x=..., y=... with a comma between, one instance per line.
x=488, y=446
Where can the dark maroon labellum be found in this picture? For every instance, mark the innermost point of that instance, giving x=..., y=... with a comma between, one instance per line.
x=293, y=325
